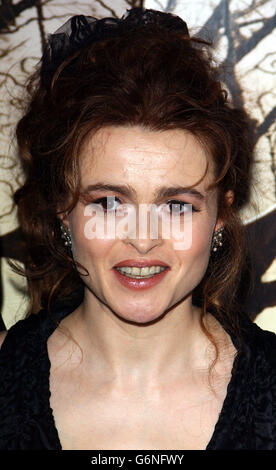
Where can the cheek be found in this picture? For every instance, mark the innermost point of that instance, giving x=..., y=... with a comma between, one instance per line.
x=86, y=249
x=196, y=258
x=201, y=240
x=91, y=250
x=195, y=235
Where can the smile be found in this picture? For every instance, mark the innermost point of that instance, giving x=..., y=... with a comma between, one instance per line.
x=140, y=273
x=137, y=281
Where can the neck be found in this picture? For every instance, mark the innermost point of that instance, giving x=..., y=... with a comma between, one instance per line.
x=128, y=352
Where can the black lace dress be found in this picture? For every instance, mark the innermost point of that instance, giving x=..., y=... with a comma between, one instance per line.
x=247, y=419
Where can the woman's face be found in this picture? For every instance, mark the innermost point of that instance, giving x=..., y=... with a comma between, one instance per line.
x=144, y=161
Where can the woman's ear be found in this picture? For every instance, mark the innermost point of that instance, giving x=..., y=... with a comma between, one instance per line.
x=63, y=217
x=229, y=197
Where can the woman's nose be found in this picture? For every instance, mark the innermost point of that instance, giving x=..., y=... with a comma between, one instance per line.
x=146, y=234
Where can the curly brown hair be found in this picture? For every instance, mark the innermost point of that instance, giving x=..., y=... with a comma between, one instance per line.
x=148, y=76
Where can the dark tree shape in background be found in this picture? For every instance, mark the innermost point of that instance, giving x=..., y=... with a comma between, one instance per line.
x=223, y=23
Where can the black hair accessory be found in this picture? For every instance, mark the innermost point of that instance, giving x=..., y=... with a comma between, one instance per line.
x=80, y=31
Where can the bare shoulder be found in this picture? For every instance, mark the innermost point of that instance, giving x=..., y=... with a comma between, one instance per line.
x=2, y=337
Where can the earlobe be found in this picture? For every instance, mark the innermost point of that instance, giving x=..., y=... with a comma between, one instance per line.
x=63, y=218
x=219, y=226
x=229, y=196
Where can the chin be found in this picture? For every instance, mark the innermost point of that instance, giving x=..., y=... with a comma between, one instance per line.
x=139, y=317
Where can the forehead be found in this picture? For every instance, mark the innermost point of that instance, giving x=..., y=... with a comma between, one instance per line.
x=135, y=154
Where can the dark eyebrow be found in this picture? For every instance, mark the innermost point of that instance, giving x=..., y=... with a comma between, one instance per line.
x=128, y=191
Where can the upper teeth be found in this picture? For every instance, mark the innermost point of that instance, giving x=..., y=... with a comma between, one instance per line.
x=141, y=271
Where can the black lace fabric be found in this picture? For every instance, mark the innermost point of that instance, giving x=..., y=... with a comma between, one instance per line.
x=246, y=421
x=81, y=31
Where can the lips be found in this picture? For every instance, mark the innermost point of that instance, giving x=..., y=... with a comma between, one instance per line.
x=141, y=263
x=142, y=283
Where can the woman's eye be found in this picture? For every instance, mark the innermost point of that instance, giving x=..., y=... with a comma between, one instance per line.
x=108, y=203
x=181, y=207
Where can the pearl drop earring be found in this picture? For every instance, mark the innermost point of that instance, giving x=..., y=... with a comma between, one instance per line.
x=217, y=239
x=65, y=234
